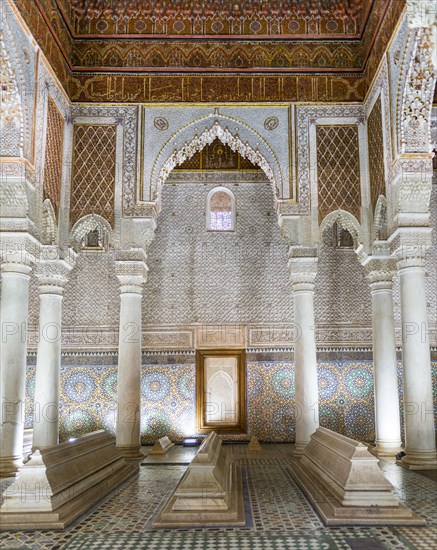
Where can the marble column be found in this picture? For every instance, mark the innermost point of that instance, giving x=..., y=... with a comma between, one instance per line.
x=14, y=311
x=131, y=276
x=387, y=416
x=302, y=276
x=48, y=363
x=420, y=445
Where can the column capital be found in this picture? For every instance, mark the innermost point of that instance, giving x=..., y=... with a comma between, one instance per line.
x=381, y=279
x=131, y=275
x=302, y=268
x=52, y=270
x=20, y=248
x=409, y=245
x=380, y=269
x=20, y=268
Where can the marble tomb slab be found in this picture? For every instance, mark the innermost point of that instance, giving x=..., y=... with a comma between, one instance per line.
x=209, y=493
x=60, y=483
x=344, y=483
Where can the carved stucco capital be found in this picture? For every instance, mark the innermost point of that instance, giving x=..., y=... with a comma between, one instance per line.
x=380, y=271
x=19, y=248
x=53, y=268
x=410, y=245
x=131, y=275
x=302, y=268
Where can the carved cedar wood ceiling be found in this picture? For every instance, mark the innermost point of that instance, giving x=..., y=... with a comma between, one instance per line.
x=215, y=50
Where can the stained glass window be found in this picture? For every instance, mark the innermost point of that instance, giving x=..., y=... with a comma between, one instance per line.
x=220, y=211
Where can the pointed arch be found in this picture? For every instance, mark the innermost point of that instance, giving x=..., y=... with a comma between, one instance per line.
x=347, y=221
x=88, y=223
x=193, y=137
x=343, y=56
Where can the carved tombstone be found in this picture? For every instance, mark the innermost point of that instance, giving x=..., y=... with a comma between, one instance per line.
x=162, y=446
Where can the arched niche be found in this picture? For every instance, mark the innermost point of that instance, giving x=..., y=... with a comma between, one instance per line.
x=347, y=221
x=95, y=227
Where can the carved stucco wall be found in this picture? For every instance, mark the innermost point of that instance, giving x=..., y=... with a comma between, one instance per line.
x=198, y=276
x=432, y=253
x=342, y=293
x=202, y=277
x=431, y=262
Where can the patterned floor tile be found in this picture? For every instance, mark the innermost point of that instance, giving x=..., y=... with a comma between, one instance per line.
x=281, y=517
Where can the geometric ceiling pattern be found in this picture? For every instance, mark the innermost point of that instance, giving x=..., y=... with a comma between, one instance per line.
x=213, y=51
x=256, y=18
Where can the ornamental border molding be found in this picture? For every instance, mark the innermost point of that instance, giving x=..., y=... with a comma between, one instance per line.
x=381, y=88
x=48, y=86
x=18, y=117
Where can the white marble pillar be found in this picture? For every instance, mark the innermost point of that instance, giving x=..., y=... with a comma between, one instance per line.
x=302, y=276
x=13, y=317
x=48, y=363
x=420, y=445
x=387, y=416
x=129, y=358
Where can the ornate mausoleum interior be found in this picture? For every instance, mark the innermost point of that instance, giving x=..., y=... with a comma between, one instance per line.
x=218, y=258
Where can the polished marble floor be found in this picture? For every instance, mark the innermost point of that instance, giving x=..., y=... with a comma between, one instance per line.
x=279, y=517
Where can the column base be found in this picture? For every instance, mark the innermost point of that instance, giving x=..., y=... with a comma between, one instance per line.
x=419, y=460
x=131, y=452
x=9, y=465
x=298, y=449
x=388, y=451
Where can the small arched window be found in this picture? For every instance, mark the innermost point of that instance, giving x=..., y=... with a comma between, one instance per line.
x=220, y=215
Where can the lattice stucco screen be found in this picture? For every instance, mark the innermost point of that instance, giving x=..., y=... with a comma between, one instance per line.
x=53, y=155
x=338, y=169
x=376, y=153
x=93, y=180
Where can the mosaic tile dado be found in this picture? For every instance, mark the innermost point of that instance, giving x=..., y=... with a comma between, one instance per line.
x=346, y=399
x=89, y=398
x=281, y=516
